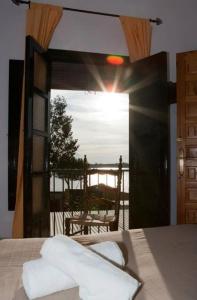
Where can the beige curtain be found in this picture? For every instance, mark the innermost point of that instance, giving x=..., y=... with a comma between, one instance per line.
x=138, y=36
x=42, y=20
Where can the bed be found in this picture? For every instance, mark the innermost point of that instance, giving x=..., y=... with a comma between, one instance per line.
x=164, y=259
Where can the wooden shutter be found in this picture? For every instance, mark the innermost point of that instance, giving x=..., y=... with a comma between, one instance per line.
x=187, y=137
x=36, y=134
x=149, y=143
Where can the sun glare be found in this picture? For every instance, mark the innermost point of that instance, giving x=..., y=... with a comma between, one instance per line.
x=115, y=60
x=111, y=104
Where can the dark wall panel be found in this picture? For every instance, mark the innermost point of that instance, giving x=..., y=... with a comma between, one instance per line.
x=15, y=91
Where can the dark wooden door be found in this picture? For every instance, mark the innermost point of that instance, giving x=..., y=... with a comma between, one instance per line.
x=187, y=137
x=36, y=134
x=149, y=143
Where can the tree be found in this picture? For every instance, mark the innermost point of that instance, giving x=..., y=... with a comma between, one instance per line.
x=63, y=146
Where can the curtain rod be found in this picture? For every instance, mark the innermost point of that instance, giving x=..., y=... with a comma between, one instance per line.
x=157, y=21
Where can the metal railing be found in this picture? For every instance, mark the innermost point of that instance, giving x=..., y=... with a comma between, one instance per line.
x=66, y=193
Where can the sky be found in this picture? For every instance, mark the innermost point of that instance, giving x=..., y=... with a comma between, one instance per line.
x=100, y=123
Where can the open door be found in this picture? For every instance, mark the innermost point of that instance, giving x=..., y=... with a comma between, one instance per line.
x=149, y=143
x=36, y=140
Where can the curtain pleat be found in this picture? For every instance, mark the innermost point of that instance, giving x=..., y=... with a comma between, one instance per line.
x=41, y=22
x=138, y=34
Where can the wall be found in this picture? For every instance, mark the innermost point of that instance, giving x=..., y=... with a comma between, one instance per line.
x=94, y=34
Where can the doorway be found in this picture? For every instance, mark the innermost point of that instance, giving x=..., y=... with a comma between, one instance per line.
x=146, y=83
x=98, y=125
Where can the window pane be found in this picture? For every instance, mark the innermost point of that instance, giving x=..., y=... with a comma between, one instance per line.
x=38, y=153
x=40, y=72
x=37, y=194
x=38, y=113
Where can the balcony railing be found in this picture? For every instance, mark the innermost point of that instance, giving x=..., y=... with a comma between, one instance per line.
x=66, y=192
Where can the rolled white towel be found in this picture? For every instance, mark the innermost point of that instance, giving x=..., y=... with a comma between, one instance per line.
x=110, y=251
x=40, y=279
x=97, y=278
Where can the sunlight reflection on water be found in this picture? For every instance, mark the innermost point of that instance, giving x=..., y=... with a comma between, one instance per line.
x=94, y=180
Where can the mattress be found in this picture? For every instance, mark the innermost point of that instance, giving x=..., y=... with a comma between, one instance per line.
x=164, y=259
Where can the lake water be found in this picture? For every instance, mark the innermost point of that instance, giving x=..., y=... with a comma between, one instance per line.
x=93, y=180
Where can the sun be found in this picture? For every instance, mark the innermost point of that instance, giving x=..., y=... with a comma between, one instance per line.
x=110, y=104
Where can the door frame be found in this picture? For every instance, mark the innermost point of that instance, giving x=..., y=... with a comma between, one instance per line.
x=95, y=58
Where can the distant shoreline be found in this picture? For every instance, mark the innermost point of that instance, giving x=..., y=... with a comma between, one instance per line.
x=97, y=165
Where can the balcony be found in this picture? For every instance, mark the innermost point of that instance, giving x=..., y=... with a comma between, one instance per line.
x=66, y=199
